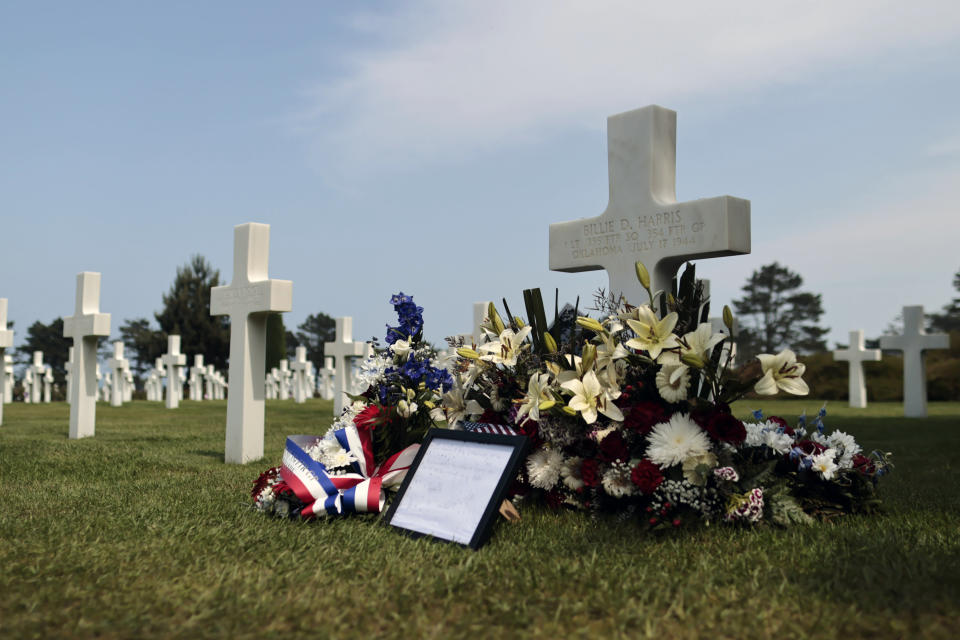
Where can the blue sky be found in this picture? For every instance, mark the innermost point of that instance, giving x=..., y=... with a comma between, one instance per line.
x=426, y=146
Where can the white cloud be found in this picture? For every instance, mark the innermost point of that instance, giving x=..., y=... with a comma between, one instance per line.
x=871, y=257
x=450, y=78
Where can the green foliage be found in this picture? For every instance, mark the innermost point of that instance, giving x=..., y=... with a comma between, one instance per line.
x=151, y=537
x=186, y=312
x=775, y=314
x=313, y=333
x=49, y=339
x=276, y=341
x=144, y=344
x=949, y=319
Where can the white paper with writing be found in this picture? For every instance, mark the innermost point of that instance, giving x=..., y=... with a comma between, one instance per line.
x=451, y=488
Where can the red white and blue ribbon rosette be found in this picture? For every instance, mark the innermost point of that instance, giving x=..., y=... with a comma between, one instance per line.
x=359, y=492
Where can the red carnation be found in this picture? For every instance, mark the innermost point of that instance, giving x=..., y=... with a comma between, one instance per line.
x=723, y=427
x=590, y=472
x=369, y=418
x=864, y=465
x=613, y=447
x=263, y=481
x=810, y=447
x=647, y=476
x=642, y=417
x=787, y=429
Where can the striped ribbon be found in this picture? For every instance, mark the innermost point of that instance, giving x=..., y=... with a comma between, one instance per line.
x=359, y=492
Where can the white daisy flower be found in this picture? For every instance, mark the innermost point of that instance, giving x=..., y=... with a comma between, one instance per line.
x=754, y=434
x=824, y=464
x=674, y=441
x=544, y=468
x=846, y=448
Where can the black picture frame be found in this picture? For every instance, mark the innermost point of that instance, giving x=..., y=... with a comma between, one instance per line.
x=503, y=464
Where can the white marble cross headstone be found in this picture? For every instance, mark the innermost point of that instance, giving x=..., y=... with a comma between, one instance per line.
x=68, y=367
x=856, y=355
x=284, y=379
x=247, y=300
x=196, y=378
x=343, y=349
x=326, y=378
x=8, y=379
x=118, y=364
x=6, y=342
x=913, y=343
x=299, y=368
x=173, y=360
x=38, y=369
x=84, y=326
x=47, y=384
x=643, y=220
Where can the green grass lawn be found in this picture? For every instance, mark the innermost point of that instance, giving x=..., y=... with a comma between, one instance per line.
x=142, y=531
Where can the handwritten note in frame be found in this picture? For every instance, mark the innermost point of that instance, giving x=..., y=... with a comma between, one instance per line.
x=456, y=484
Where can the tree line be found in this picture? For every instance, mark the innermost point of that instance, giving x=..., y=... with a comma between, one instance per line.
x=774, y=314
x=185, y=311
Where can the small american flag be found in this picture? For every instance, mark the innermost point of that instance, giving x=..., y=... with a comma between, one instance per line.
x=484, y=427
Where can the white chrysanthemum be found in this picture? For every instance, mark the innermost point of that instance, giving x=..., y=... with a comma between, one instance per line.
x=544, y=468
x=372, y=370
x=673, y=380
x=779, y=442
x=824, y=464
x=570, y=472
x=846, y=448
x=339, y=459
x=674, y=441
x=754, y=434
x=617, y=482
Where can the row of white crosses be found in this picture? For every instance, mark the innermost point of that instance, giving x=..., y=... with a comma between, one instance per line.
x=912, y=343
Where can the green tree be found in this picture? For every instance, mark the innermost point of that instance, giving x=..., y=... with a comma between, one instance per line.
x=775, y=314
x=312, y=333
x=186, y=312
x=144, y=344
x=276, y=341
x=49, y=339
x=949, y=319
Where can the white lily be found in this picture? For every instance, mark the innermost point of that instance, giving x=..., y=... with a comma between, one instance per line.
x=699, y=342
x=652, y=335
x=538, y=392
x=589, y=397
x=505, y=349
x=781, y=371
x=456, y=408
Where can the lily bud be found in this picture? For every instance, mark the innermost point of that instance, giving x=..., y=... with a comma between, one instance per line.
x=589, y=323
x=643, y=275
x=549, y=342
x=466, y=352
x=728, y=319
x=567, y=410
x=692, y=360
x=589, y=357
x=495, y=319
x=547, y=404
x=517, y=320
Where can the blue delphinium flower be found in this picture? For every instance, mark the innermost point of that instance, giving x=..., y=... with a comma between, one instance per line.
x=758, y=415
x=409, y=315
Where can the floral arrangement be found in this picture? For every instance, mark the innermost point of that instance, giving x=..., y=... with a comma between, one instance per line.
x=630, y=413
x=372, y=443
